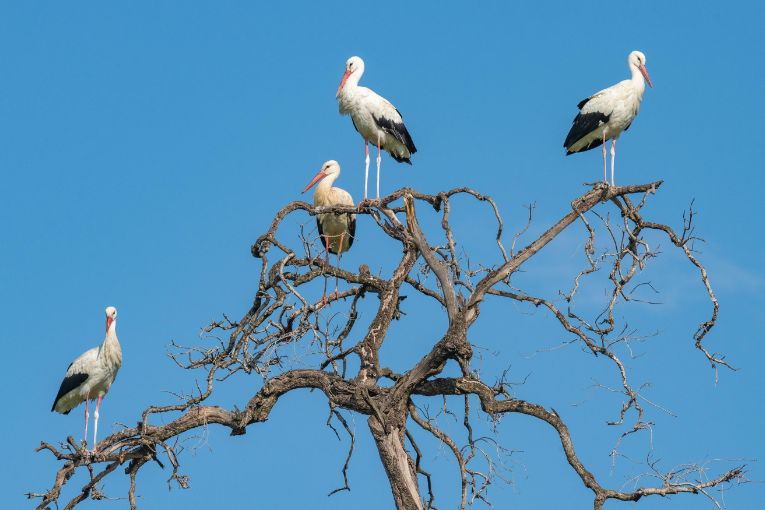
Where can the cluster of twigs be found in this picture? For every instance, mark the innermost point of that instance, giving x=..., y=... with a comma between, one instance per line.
x=342, y=354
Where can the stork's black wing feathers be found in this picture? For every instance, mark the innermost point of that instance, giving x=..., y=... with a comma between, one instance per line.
x=399, y=131
x=321, y=233
x=351, y=233
x=583, y=125
x=351, y=229
x=583, y=102
x=324, y=240
x=69, y=383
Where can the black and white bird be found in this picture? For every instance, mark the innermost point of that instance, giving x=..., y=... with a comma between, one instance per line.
x=605, y=114
x=375, y=118
x=91, y=374
x=337, y=231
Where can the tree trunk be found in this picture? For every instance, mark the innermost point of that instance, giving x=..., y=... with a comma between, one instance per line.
x=398, y=465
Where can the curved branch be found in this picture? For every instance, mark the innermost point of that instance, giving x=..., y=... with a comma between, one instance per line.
x=492, y=406
x=438, y=268
x=283, y=320
x=582, y=204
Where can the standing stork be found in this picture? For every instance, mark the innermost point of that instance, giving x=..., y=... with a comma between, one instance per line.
x=91, y=374
x=375, y=118
x=336, y=230
x=605, y=114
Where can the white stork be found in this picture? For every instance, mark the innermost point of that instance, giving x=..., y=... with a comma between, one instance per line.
x=375, y=118
x=91, y=374
x=337, y=231
x=605, y=114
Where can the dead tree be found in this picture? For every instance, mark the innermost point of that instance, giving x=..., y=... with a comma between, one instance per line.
x=342, y=354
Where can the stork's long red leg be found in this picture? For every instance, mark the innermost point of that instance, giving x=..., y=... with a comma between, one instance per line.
x=339, y=256
x=326, y=250
x=378, y=168
x=95, y=424
x=613, y=155
x=605, y=171
x=366, y=167
x=87, y=415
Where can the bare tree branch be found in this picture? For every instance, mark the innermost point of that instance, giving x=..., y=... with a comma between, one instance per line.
x=285, y=328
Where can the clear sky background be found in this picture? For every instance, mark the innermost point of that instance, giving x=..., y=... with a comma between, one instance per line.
x=145, y=145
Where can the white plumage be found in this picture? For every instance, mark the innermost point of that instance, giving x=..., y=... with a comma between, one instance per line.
x=91, y=375
x=375, y=118
x=605, y=114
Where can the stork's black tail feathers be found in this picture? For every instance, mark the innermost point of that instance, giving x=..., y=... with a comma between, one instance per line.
x=400, y=159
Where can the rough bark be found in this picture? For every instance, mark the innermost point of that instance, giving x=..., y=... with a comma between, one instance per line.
x=399, y=466
x=282, y=318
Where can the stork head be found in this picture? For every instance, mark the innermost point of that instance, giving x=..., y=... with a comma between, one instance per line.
x=330, y=168
x=353, y=66
x=637, y=60
x=111, y=316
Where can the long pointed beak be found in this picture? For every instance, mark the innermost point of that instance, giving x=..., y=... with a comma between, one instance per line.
x=342, y=82
x=109, y=321
x=644, y=71
x=316, y=178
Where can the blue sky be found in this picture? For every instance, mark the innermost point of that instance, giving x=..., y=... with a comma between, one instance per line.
x=144, y=146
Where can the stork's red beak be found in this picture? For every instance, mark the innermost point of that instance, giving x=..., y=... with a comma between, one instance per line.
x=644, y=71
x=342, y=82
x=109, y=321
x=321, y=173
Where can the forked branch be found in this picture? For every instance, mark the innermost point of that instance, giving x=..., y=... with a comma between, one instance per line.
x=288, y=341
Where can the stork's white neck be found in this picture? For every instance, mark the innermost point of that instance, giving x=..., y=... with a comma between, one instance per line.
x=637, y=78
x=352, y=83
x=322, y=189
x=110, y=350
x=355, y=77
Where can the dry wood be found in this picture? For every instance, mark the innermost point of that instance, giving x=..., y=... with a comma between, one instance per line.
x=283, y=318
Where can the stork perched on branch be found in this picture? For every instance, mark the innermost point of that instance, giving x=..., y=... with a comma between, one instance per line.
x=91, y=374
x=336, y=231
x=375, y=118
x=605, y=114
